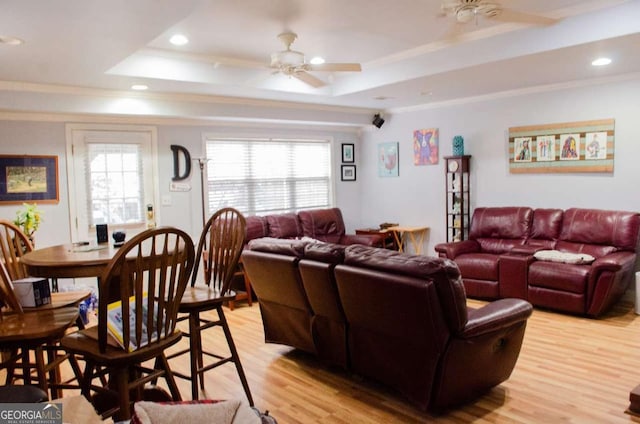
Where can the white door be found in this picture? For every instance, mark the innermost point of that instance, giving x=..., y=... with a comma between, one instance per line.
x=112, y=176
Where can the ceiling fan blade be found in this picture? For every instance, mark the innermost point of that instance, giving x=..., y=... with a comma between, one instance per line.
x=309, y=79
x=507, y=15
x=335, y=67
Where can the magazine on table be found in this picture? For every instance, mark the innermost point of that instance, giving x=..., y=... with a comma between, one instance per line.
x=115, y=323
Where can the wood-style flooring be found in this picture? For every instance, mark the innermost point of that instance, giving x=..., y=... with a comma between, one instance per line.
x=570, y=370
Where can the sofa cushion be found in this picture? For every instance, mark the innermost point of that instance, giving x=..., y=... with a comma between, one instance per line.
x=284, y=225
x=602, y=227
x=559, y=276
x=545, y=228
x=256, y=228
x=330, y=253
x=563, y=257
x=443, y=272
x=594, y=250
x=322, y=224
x=478, y=266
x=501, y=223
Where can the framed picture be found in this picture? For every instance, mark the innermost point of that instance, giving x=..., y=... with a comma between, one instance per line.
x=28, y=179
x=425, y=147
x=348, y=153
x=522, y=151
x=348, y=173
x=388, y=160
x=570, y=146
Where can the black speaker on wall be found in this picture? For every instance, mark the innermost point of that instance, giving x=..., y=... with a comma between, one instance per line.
x=102, y=233
x=377, y=120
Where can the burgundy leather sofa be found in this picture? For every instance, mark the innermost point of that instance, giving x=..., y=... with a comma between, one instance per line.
x=498, y=259
x=396, y=318
x=320, y=224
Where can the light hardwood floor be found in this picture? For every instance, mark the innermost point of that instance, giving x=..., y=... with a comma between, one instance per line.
x=570, y=370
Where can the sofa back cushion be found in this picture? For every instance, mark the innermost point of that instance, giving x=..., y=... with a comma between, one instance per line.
x=607, y=230
x=329, y=253
x=276, y=246
x=284, y=225
x=499, y=229
x=443, y=272
x=545, y=228
x=256, y=228
x=322, y=224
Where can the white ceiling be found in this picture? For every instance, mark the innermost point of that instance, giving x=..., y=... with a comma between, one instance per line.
x=402, y=45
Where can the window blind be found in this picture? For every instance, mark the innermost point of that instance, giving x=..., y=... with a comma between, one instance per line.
x=267, y=176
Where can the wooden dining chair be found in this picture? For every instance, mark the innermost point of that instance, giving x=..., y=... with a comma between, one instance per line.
x=13, y=245
x=147, y=276
x=25, y=338
x=219, y=247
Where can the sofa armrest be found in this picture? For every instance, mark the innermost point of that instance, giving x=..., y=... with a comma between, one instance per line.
x=495, y=316
x=365, y=239
x=451, y=250
x=614, y=262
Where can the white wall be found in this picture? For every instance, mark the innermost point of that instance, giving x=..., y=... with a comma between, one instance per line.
x=19, y=137
x=417, y=196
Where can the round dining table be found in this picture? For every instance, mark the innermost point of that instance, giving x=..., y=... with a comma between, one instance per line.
x=69, y=260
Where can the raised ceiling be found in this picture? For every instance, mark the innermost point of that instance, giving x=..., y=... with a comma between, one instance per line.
x=408, y=54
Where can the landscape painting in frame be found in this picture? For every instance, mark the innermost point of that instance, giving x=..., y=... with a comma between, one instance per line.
x=522, y=150
x=388, y=159
x=425, y=147
x=28, y=179
x=545, y=148
x=570, y=147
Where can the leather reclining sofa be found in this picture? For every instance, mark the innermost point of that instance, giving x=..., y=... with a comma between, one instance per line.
x=396, y=318
x=497, y=261
x=320, y=224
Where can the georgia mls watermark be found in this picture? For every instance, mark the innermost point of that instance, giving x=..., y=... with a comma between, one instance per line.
x=30, y=413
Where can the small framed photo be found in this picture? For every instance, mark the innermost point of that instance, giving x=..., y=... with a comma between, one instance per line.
x=28, y=179
x=348, y=173
x=348, y=154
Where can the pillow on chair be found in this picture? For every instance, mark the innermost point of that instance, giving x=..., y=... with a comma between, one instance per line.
x=214, y=411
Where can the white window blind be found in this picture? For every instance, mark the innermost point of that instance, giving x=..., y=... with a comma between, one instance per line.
x=114, y=180
x=266, y=176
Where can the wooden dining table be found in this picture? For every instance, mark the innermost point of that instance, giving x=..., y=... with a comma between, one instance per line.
x=69, y=260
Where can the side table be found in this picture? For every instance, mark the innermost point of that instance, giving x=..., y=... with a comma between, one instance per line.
x=414, y=235
x=388, y=241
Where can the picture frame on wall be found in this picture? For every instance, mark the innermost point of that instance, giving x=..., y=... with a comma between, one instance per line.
x=28, y=179
x=348, y=154
x=348, y=173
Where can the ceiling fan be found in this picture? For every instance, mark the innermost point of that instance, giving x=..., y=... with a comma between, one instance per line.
x=292, y=63
x=467, y=10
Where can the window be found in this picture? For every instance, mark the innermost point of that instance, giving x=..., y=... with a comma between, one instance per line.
x=266, y=176
x=111, y=178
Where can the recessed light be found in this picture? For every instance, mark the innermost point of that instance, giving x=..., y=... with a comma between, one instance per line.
x=139, y=87
x=11, y=41
x=601, y=61
x=179, y=40
x=317, y=60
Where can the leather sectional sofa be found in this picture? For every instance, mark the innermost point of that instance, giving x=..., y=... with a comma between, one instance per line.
x=320, y=224
x=396, y=318
x=499, y=259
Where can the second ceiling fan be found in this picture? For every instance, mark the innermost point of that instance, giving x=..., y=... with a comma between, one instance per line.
x=292, y=63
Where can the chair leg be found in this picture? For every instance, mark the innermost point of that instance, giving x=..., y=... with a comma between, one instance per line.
x=41, y=370
x=196, y=352
x=234, y=354
x=163, y=363
x=121, y=377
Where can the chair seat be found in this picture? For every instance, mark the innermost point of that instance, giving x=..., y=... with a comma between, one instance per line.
x=85, y=342
x=62, y=299
x=22, y=394
x=203, y=298
x=35, y=329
